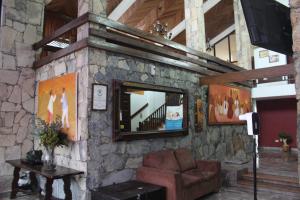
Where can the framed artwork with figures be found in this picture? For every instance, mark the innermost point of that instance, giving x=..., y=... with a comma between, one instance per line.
x=99, y=98
x=57, y=97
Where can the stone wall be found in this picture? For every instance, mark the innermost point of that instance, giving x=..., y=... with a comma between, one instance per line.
x=195, y=25
x=243, y=43
x=75, y=155
x=21, y=27
x=295, y=18
x=117, y=161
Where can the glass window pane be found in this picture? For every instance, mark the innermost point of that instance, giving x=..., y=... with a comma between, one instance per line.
x=232, y=38
x=222, y=49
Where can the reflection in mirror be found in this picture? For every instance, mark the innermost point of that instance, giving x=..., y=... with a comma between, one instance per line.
x=143, y=111
x=146, y=110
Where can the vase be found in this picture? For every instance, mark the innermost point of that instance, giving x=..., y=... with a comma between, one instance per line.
x=49, y=163
x=285, y=148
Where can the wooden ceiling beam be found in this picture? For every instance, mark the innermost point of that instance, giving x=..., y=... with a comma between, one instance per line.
x=179, y=28
x=121, y=9
x=209, y=4
x=132, y=13
x=154, y=14
x=242, y=76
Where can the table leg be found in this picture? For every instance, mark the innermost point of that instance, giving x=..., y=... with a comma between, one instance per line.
x=14, y=185
x=48, y=188
x=34, y=182
x=67, y=188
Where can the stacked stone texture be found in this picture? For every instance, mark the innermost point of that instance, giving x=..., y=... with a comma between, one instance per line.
x=21, y=27
x=75, y=155
x=110, y=161
x=295, y=19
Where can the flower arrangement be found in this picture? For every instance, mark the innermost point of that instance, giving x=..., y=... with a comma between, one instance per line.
x=51, y=136
x=286, y=139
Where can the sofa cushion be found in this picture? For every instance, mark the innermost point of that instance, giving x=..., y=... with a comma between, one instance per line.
x=189, y=180
x=205, y=175
x=185, y=159
x=164, y=159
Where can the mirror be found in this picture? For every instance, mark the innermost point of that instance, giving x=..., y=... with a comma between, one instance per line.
x=143, y=110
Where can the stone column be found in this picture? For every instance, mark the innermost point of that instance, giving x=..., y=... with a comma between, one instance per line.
x=195, y=25
x=243, y=44
x=97, y=7
x=295, y=18
x=21, y=27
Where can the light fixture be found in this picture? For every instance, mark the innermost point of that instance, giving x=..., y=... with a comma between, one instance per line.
x=160, y=29
x=208, y=45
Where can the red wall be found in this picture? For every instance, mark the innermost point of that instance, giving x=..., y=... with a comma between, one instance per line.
x=275, y=116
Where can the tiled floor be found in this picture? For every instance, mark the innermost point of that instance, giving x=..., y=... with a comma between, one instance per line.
x=270, y=162
x=224, y=194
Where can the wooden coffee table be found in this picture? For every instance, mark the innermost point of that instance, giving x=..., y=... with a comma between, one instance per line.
x=59, y=173
x=131, y=190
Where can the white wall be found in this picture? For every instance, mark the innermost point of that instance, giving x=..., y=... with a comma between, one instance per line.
x=273, y=90
x=263, y=62
x=284, y=2
x=154, y=99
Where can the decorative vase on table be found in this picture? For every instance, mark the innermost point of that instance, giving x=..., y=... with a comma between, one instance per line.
x=49, y=162
x=51, y=136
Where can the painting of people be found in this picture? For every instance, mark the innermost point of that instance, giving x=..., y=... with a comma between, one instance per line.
x=58, y=98
x=226, y=103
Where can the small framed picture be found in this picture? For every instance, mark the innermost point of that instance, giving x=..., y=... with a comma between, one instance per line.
x=99, y=97
x=263, y=53
x=273, y=58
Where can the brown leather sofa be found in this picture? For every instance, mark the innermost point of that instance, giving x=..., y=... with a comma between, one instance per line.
x=183, y=177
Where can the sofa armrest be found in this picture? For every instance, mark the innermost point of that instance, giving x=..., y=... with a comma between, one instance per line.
x=209, y=165
x=171, y=180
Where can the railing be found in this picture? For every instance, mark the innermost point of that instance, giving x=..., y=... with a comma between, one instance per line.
x=115, y=37
x=154, y=120
x=139, y=111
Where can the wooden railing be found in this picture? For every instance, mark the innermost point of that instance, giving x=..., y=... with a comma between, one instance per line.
x=154, y=120
x=119, y=38
x=139, y=111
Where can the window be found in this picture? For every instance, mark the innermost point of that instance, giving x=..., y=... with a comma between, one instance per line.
x=225, y=49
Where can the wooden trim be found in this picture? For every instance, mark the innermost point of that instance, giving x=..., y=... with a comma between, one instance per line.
x=139, y=110
x=126, y=136
x=62, y=30
x=61, y=53
x=149, y=56
x=154, y=49
x=231, y=77
x=136, y=32
x=143, y=135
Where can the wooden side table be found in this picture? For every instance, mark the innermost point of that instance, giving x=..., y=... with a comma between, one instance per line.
x=60, y=173
x=130, y=190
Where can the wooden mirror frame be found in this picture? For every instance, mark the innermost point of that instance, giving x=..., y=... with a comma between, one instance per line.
x=139, y=135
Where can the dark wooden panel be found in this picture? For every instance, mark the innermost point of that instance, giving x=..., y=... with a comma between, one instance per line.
x=181, y=38
x=61, y=53
x=60, y=171
x=283, y=70
x=145, y=55
x=67, y=7
x=71, y=25
x=218, y=18
x=137, y=44
x=168, y=43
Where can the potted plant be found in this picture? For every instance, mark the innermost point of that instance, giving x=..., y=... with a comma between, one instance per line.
x=286, y=139
x=51, y=136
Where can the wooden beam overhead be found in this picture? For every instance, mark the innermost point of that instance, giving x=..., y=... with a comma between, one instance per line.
x=179, y=28
x=242, y=76
x=207, y=5
x=121, y=9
